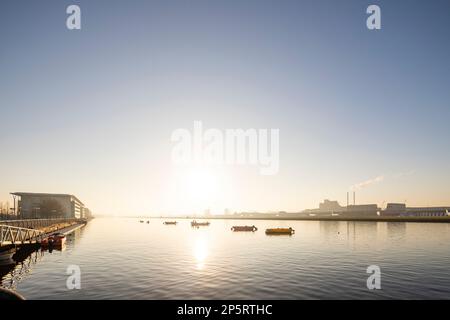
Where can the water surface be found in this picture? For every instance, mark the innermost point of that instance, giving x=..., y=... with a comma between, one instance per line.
x=124, y=259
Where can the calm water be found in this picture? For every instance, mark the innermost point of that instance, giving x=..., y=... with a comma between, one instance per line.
x=124, y=259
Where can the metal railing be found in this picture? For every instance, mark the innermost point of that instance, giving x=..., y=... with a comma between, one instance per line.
x=17, y=235
x=39, y=223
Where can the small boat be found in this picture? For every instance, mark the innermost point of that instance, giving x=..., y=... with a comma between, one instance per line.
x=7, y=294
x=280, y=231
x=244, y=228
x=199, y=224
x=60, y=239
x=141, y=221
x=56, y=240
x=6, y=257
x=148, y=221
x=170, y=222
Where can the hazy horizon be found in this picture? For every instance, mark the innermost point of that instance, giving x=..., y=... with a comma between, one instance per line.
x=91, y=112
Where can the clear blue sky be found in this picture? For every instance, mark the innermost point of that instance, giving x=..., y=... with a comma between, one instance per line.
x=90, y=112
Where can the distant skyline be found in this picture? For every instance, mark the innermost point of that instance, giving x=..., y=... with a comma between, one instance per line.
x=90, y=112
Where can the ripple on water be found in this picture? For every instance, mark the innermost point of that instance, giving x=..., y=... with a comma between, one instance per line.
x=124, y=259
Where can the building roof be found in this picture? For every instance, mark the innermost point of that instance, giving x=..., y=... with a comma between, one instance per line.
x=356, y=207
x=427, y=208
x=32, y=194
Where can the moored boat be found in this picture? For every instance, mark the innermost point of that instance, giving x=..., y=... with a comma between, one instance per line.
x=244, y=228
x=6, y=257
x=199, y=224
x=7, y=294
x=56, y=240
x=170, y=222
x=280, y=231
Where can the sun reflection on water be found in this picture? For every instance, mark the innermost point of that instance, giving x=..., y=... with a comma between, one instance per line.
x=200, y=252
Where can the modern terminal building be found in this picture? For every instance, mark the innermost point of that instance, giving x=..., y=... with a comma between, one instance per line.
x=49, y=205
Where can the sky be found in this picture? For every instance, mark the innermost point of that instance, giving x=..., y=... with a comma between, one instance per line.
x=91, y=112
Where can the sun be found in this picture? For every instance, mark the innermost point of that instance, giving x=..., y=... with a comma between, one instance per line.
x=202, y=185
x=196, y=188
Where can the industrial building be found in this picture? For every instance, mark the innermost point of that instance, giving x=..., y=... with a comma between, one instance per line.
x=328, y=205
x=326, y=208
x=394, y=209
x=401, y=210
x=333, y=208
x=330, y=208
x=365, y=210
x=49, y=205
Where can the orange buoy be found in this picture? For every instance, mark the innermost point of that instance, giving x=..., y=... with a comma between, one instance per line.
x=280, y=231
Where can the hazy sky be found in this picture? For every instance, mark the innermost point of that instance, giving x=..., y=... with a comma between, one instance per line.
x=90, y=112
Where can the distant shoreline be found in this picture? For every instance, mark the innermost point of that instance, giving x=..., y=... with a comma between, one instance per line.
x=349, y=219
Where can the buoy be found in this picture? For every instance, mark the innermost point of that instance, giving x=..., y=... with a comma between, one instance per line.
x=244, y=228
x=280, y=231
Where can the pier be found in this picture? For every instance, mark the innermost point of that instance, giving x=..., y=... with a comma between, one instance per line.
x=32, y=231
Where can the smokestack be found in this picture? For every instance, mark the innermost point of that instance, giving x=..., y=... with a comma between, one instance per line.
x=347, y=198
x=354, y=197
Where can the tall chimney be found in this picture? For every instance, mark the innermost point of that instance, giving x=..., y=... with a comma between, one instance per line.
x=354, y=197
x=347, y=198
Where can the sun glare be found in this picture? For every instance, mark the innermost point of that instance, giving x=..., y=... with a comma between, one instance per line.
x=202, y=184
x=198, y=188
x=200, y=252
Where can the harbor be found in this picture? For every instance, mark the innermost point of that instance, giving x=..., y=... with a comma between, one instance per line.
x=57, y=230
x=333, y=211
x=39, y=217
x=121, y=257
x=41, y=222
x=293, y=217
